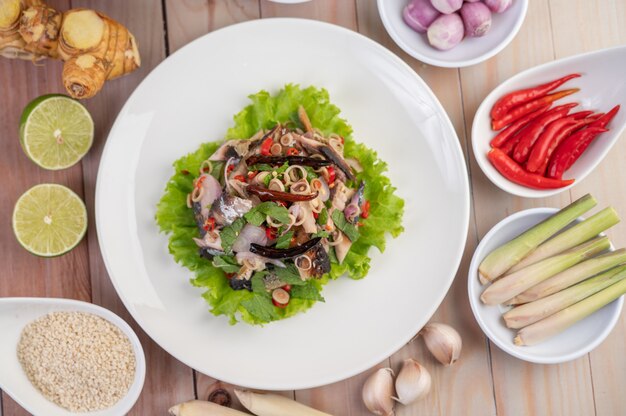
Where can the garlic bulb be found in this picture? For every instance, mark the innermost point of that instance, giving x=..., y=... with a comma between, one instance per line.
x=443, y=342
x=378, y=392
x=413, y=382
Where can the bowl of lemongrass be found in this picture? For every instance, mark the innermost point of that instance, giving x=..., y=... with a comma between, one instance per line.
x=546, y=285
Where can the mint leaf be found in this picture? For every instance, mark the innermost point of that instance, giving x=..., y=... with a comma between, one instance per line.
x=261, y=308
x=230, y=233
x=226, y=263
x=322, y=218
x=262, y=167
x=308, y=291
x=257, y=284
x=284, y=240
x=289, y=275
x=321, y=233
x=348, y=229
x=256, y=215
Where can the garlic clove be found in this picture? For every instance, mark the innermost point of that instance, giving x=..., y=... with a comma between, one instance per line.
x=443, y=342
x=413, y=382
x=378, y=392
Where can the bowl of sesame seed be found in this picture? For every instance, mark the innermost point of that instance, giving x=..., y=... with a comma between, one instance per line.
x=66, y=357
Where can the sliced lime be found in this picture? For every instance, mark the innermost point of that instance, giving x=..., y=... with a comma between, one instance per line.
x=56, y=131
x=49, y=220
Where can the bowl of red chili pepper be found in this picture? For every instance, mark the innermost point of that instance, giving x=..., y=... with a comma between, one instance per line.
x=547, y=128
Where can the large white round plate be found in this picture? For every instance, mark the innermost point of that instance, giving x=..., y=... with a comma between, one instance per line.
x=191, y=98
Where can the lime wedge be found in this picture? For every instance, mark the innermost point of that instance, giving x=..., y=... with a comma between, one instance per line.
x=49, y=220
x=56, y=131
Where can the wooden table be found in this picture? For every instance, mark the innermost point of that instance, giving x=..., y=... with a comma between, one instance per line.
x=485, y=381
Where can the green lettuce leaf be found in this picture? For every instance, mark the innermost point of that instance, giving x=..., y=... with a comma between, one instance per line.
x=176, y=220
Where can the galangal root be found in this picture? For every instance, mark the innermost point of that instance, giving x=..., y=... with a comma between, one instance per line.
x=94, y=47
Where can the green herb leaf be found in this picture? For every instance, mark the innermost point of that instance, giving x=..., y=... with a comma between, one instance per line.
x=261, y=308
x=282, y=169
x=348, y=229
x=289, y=275
x=256, y=215
x=322, y=219
x=308, y=291
x=227, y=263
x=321, y=233
x=257, y=284
x=230, y=233
x=284, y=240
x=262, y=167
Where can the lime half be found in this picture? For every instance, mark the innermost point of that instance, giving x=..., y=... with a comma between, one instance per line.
x=56, y=131
x=49, y=220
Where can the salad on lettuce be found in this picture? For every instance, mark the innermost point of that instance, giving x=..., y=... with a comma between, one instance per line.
x=286, y=203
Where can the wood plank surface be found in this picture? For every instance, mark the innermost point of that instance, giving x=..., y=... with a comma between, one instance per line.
x=485, y=381
x=520, y=387
x=24, y=274
x=607, y=183
x=167, y=380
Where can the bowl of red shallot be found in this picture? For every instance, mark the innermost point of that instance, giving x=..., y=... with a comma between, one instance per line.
x=452, y=33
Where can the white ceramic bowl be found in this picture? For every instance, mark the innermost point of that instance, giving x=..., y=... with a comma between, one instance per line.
x=470, y=51
x=574, y=342
x=602, y=86
x=15, y=313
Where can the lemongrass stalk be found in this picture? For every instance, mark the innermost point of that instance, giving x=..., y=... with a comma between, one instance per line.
x=560, y=321
x=201, y=408
x=532, y=312
x=513, y=284
x=571, y=276
x=571, y=237
x=506, y=256
x=274, y=405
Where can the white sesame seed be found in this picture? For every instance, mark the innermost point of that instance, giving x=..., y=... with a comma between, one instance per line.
x=77, y=360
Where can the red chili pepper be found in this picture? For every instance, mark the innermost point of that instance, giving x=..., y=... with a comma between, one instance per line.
x=230, y=275
x=571, y=149
x=514, y=172
x=251, y=175
x=581, y=114
x=511, y=144
x=539, y=152
x=287, y=288
x=510, y=131
x=271, y=233
x=558, y=139
x=199, y=181
x=292, y=151
x=515, y=98
x=230, y=168
x=240, y=178
x=209, y=224
x=279, y=305
x=205, y=169
x=531, y=133
x=332, y=175
x=520, y=111
x=365, y=209
x=606, y=118
x=315, y=215
x=266, y=145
